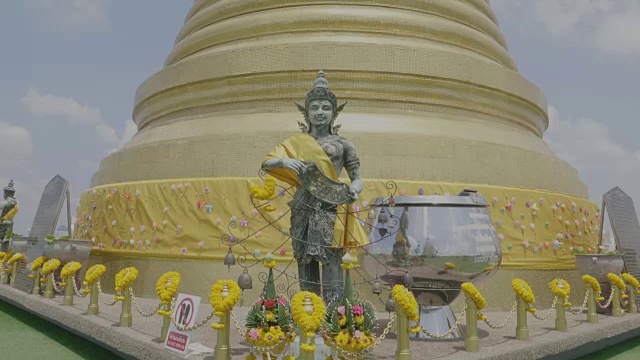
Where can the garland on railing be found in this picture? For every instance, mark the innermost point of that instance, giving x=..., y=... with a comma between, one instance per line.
x=523, y=290
x=407, y=302
x=595, y=285
x=14, y=258
x=632, y=281
x=473, y=293
x=36, y=265
x=50, y=266
x=166, y=288
x=619, y=283
x=124, y=279
x=222, y=306
x=69, y=269
x=308, y=323
x=561, y=289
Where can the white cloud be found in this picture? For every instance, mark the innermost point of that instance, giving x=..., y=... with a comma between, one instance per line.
x=49, y=106
x=608, y=26
x=16, y=146
x=71, y=14
x=591, y=147
x=69, y=109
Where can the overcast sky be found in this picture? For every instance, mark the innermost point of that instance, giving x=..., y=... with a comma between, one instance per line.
x=69, y=70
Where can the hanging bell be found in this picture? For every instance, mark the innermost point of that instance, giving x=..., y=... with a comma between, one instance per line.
x=244, y=281
x=377, y=286
x=230, y=259
x=390, y=305
x=382, y=217
x=407, y=279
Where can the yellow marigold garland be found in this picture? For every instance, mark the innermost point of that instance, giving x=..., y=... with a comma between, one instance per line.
x=69, y=269
x=309, y=324
x=50, y=266
x=524, y=291
x=617, y=281
x=124, y=279
x=167, y=292
x=595, y=285
x=561, y=292
x=6, y=256
x=473, y=293
x=266, y=193
x=222, y=306
x=407, y=302
x=347, y=266
x=16, y=257
x=269, y=264
x=36, y=265
x=632, y=281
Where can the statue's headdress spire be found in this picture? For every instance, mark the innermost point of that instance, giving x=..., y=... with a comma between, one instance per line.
x=10, y=187
x=320, y=91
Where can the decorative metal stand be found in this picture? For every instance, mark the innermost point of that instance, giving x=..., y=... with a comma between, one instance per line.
x=125, y=316
x=68, y=292
x=48, y=289
x=616, y=310
x=471, y=340
x=633, y=306
x=561, y=319
x=522, y=331
x=36, y=285
x=403, y=352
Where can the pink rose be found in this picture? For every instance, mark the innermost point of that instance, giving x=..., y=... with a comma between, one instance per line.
x=357, y=310
x=341, y=310
x=254, y=334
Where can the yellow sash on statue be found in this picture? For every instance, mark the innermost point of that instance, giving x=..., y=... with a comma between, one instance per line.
x=11, y=214
x=304, y=147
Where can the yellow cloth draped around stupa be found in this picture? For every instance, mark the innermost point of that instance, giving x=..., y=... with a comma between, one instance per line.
x=347, y=229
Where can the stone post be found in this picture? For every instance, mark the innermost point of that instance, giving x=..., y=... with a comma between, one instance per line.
x=125, y=316
x=68, y=291
x=616, y=310
x=36, y=285
x=592, y=315
x=48, y=290
x=561, y=319
x=403, y=351
x=94, y=307
x=471, y=340
x=633, y=306
x=223, y=350
x=522, y=331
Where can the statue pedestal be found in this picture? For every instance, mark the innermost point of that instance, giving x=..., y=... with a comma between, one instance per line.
x=437, y=320
x=322, y=350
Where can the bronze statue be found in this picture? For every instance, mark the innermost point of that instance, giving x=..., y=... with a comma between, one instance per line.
x=321, y=230
x=8, y=210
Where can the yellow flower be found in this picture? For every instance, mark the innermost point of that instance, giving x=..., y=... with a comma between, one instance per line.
x=470, y=290
x=617, y=281
x=270, y=264
x=342, y=321
x=347, y=266
x=220, y=305
x=270, y=316
x=167, y=286
x=631, y=280
x=6, y=256
x=15, y=258
x=266, y=193
x=70, y=269
x=50, y=266
x=307, y=323
x=93, y=274
x=523, y=290
x=359, y=319
x=37, y=263
x=125, y=278
x=560, y=288
x=595, y=285
x=250, y=357
x=407, y=302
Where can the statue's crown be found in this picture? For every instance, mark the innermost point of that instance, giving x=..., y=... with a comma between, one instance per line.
x=321, y=91
x=10, y=187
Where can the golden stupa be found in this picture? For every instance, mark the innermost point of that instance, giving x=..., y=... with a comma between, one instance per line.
x=435, y=103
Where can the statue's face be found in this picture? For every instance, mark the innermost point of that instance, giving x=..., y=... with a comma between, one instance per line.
x=320, y=113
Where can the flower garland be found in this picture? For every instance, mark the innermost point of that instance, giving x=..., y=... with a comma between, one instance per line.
x=407, y=302
x=167, y=286
x=124, y=279
x=69, y=269
x=632, y=281
x=561, y=289
x=595, y=285
x=266, y=193
x=93, y=274
x=470, y=290
x=617, y=281
x=6, y=256
x=50, y=266
x=523, y=290
x=222, y=306
x=15, y=258
x=309, y=324
x=36, y=265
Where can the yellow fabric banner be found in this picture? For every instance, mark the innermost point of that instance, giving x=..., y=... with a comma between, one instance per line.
x=187, y=218
x=305, y=148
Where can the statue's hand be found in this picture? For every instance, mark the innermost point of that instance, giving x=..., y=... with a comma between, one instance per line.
x=352, y=196
x=293, y=164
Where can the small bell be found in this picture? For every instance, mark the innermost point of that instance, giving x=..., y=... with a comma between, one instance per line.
x=382, y=217
x=390, y=305
x=407, y=279
x=230, y=259
x=244, y=281
x=377, y=286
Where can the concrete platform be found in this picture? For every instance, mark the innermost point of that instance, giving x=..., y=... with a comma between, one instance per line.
x=141, y=340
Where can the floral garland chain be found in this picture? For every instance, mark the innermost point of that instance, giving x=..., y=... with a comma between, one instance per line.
x=124, y=279
x=15, y=258
x=472, y=292
x=523, y=290
x=36, y=265
x=69, y=269
x=92, y=275
x=561, y=289
x=632, y=281
x=595, y=285
x=407, y=302
x=222, y=306
x=50, y=266
x=167, y=286
x=619, y=283
x=309, y=324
